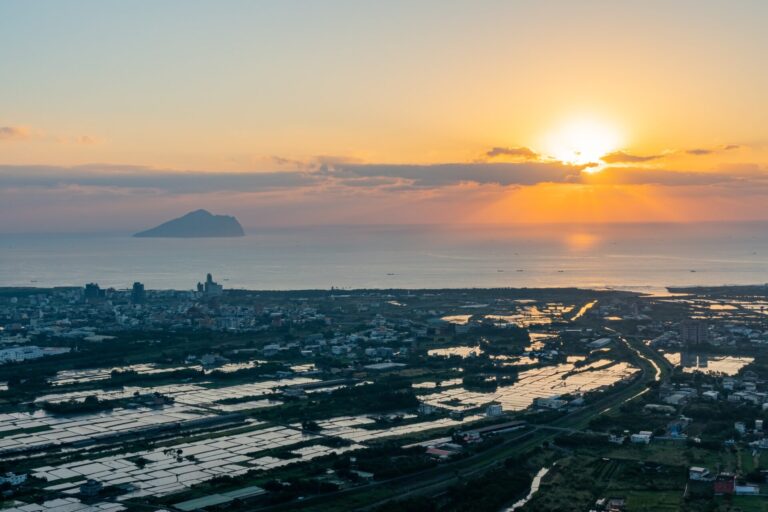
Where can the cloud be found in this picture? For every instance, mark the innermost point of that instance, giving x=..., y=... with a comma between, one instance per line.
x=515, y=152
x=287, y=162
x=358, y=178
x=14, y=132
x=618, y=157
x=143, y=178
x=622, y=157
x=439, y=175
x=730, y=178
x=315, y=163
x=26, y=133
x=700, y=151
x=332, y=173
x=127, y=197
x=85, y=140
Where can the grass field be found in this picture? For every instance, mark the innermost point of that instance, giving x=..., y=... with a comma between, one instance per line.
x=749, y=503
x=676, y=454
x=653, y=501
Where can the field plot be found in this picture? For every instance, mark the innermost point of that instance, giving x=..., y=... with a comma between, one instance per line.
x=352, y=428
x=66, y=505
x=165, y=471
x=55, y=430
x=537, y=383
x=200, y=394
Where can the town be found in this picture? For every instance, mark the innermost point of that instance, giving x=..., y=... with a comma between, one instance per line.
x=383, y=400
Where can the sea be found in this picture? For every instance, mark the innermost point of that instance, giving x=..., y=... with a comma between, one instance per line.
x=640, y=257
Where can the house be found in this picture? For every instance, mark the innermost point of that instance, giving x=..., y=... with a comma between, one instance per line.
x=642, y=437
x=747, y=490
x=725, y=483
x=609, y=505
x=494, y=410
x=472, y=436
x=382, y=367
x=363, y=475
x=91, y=488
x=666, y=409
x=599, y=343
x=553, y=402
x=439, y=453
x=698, y=473
x=426, y=409
x=13, y=479
x=676, y=398
x=210, y=360
x=271, y=349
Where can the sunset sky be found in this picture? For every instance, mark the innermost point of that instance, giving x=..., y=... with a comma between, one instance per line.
x=117, y=115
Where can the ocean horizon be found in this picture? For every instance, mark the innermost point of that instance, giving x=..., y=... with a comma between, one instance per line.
x=642, y=257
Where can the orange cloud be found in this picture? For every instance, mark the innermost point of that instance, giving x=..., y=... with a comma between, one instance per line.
x=14, y=132
x=522, y=153
x=618, y=157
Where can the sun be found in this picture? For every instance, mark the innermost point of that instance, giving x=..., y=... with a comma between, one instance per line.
x=583, y=141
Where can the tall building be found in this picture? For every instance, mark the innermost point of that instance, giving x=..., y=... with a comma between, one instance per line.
x=138, y=295
x=210, y=288
x=693, y=332
x=93, y=292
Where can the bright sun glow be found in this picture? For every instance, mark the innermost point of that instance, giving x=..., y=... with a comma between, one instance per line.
x=583, y=141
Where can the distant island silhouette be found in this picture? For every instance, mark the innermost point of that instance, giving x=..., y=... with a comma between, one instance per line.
x=196, y=224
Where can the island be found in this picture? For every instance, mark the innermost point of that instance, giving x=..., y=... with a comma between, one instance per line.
x=196, y=224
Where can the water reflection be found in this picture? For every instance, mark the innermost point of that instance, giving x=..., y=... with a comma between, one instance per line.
x=457, y=319
x=539, y=382
x=708, y=363
x=461, y=351
x=535, y=484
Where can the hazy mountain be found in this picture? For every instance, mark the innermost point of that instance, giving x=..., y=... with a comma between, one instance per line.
x=197, y=224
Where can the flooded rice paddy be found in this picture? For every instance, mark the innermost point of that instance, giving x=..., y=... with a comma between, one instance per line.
x=708, y=363
x=541, y=382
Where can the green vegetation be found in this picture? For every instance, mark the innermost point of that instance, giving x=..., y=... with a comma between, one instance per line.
x=388, y=394
x=90, y=404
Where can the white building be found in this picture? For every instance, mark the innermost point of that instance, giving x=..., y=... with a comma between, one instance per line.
x=15, y=354
x=553, y=402
x=642, y=437
x=599, y=343
x=494, y=410
x=13, y=479
x=698, y=473
x=425, y=408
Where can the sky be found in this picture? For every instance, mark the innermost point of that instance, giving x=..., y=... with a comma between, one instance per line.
x=118, y=115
